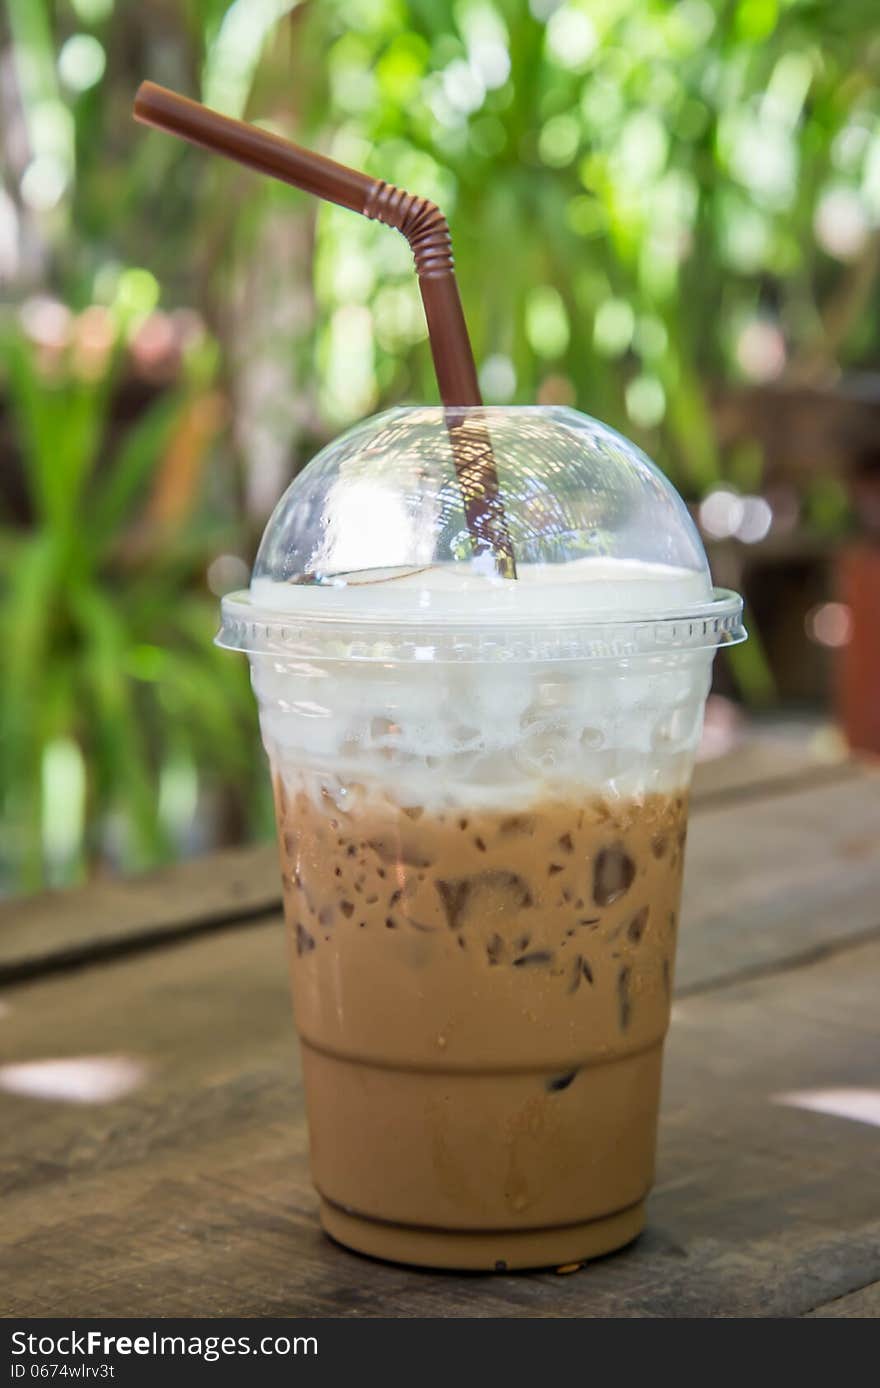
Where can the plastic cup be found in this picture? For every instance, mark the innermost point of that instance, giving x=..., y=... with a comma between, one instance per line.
x=481, y=790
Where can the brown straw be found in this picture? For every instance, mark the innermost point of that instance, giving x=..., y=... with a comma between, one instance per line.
x=426, y=230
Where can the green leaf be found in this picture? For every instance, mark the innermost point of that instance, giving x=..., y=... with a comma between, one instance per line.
x=121, y=736
x=26, y=612
x=132, y=467
x=59, y=426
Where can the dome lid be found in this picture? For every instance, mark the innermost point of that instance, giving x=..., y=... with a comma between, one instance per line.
x=374, y=546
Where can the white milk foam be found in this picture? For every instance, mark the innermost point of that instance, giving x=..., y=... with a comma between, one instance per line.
x=582, y=588
x=492, y=734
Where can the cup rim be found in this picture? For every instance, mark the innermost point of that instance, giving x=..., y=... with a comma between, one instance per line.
x=496, y=638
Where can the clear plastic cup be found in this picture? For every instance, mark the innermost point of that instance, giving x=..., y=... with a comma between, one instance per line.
x=481, y=788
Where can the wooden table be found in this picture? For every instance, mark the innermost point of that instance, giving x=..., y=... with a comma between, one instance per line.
x=189, y=1193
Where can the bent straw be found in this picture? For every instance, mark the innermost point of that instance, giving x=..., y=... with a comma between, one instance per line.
x=426, y=230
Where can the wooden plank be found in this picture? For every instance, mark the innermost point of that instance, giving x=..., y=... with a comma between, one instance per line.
x=779, y=879
x=764, y=763
x=865, y=1303
x=59, y=928
x=56, y=929
x=190, y=1195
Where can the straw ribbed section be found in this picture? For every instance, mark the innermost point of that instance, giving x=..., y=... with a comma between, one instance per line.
x=420, y=221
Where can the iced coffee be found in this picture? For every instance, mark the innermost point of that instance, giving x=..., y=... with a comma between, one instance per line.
x=482, y=872
x=481, y=792
x=480, y=640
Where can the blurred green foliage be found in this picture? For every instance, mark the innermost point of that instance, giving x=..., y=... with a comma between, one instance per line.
x=112, y=698
x=647, y=199
x=637, y=190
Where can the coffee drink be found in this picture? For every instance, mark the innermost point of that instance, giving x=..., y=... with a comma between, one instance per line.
x=482, y=870
x=481, y=786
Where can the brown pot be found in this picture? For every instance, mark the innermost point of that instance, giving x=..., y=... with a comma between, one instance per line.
x=857, y=683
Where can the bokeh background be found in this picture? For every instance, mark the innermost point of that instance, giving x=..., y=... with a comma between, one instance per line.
x=663, y=213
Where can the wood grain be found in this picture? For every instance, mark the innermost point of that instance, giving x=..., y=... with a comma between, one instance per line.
x=864, y=1303
x=64, y=927
x=763, y=763
x=779, y=879
x=191, y=1195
